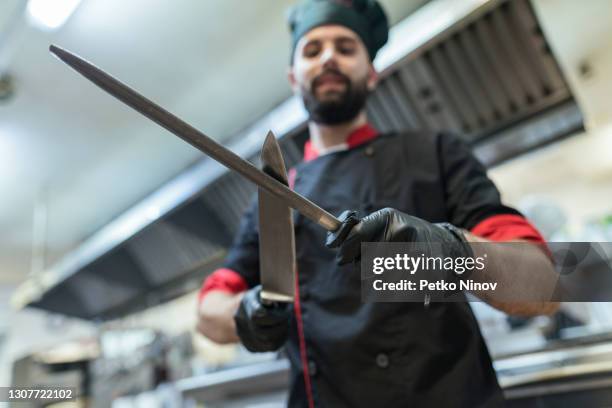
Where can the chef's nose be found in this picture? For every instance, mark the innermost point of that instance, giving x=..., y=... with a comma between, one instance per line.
x=328, y=56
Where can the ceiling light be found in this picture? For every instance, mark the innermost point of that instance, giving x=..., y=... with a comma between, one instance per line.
x=50, y=15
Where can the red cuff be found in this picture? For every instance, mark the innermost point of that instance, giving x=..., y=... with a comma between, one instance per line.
x=507, y=227
x=225, y=280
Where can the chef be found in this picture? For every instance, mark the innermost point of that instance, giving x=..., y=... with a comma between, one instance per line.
x=418, y=186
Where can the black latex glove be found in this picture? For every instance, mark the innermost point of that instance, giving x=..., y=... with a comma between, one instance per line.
x=390, y=225
x=261, y=327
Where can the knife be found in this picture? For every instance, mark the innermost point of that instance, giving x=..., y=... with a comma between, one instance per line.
x=197, y=139
x=276, y=237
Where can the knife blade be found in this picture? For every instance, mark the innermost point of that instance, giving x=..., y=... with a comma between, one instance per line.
x=196, y=138
x=276, y=236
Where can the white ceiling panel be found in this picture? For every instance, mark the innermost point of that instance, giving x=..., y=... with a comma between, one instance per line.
x=219, y=64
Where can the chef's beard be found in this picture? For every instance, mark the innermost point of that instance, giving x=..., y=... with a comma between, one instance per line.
x=341, y=109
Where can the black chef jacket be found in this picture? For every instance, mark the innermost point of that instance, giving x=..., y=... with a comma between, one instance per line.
x=356, y=354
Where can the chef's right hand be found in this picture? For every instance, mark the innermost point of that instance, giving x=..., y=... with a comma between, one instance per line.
x=261, y=327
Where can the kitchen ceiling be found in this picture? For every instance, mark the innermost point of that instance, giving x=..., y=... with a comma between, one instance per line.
x=83, y=157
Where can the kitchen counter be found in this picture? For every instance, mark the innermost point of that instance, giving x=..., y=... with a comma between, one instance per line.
x=566, y=374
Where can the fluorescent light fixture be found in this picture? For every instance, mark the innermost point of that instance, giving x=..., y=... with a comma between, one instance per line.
x=50, y=14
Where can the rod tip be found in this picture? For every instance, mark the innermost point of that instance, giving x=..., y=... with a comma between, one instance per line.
x=60, y=53
x=55, y=50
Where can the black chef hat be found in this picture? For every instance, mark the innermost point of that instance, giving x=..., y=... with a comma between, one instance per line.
x=365, y=17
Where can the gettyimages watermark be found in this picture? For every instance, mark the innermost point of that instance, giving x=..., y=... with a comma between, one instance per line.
x=423, y=272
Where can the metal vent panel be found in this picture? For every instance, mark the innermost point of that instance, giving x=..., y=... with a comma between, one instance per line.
x=560, y=122
x=106, y=283
x=166, y=249
x=478, y=79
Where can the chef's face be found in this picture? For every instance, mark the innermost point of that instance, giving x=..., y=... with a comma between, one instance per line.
x=332, y=72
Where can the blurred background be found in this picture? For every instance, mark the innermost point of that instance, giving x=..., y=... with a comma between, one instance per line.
x=109, y=224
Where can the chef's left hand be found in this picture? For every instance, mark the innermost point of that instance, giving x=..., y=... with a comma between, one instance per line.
x=390, y=225
x=260, y=326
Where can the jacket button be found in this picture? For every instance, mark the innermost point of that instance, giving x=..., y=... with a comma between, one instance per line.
x=312, y=368
x=382, y=360
x=369, y=151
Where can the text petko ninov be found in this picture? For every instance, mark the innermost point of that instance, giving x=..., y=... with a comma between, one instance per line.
x=428, y=269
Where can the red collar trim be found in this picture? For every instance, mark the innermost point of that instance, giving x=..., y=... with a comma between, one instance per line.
x=358, y=137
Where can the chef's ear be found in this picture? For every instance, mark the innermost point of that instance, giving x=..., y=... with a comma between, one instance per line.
x=372, y=78
x=295, y=87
